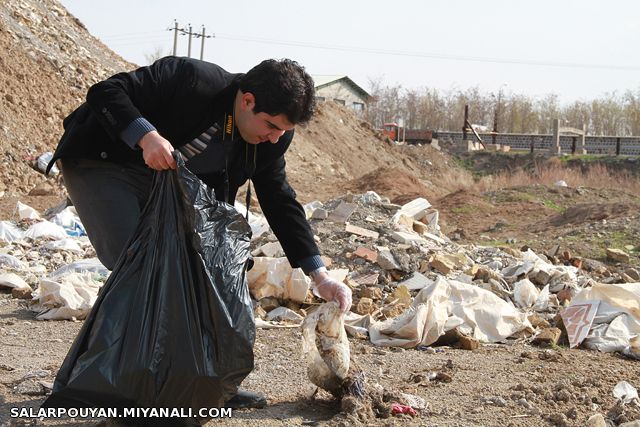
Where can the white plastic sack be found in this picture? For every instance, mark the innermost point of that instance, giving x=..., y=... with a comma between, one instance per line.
x=12, y=280
x=258, y=223
x=9, y=261
x=70, y=221
x=525, y=293
x=70, y=297
x=617, y=319
x=70, y=245
x=89, y=265
x=625, y=392
x=9, y=232
x=274, y=277
x=26, y=211
x=445, y=305
x=45, y=229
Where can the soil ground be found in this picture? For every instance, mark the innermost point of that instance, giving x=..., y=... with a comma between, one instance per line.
x=509, y=384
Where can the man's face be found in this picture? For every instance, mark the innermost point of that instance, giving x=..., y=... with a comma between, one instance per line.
x=258, y=127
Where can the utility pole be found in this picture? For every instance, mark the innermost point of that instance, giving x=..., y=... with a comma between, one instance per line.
x=496, y=114
x=189, y=45
x=464, y=125
x=202, y=44
x=175, y=37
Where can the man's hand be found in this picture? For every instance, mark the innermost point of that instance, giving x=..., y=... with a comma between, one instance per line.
x=156, y=151
x=332, y=290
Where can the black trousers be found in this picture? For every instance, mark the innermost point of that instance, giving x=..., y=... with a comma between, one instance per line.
x=109, y=198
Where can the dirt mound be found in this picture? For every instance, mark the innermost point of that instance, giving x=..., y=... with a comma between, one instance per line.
x=585, y=212
x=393, y=182
x=337, y=146
x=49, y=61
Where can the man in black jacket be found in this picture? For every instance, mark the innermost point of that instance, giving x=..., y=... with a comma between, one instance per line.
x=230, y=127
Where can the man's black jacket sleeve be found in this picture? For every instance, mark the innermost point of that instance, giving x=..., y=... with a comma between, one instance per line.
x=283, y=212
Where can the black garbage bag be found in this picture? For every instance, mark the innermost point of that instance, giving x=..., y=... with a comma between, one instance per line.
x=173, y=325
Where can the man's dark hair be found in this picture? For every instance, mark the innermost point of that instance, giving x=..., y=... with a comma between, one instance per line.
x=281, y=87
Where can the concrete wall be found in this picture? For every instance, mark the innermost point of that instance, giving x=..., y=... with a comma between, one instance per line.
x=629, y=145
x=340, y=91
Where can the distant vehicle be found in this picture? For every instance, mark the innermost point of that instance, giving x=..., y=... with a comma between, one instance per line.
x=410, y=136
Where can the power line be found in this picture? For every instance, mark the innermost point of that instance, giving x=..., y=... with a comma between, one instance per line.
x=134, y=38
x=427, y=55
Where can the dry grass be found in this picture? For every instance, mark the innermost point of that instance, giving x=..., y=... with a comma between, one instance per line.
x=597, y=176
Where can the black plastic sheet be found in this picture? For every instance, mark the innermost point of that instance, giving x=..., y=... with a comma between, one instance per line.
x=173, y=325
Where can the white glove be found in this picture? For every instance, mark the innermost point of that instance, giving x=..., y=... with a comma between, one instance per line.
x=331, y=290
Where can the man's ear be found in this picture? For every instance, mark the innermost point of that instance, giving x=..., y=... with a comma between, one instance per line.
x=248, y=101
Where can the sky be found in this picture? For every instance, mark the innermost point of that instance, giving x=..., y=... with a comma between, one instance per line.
x=578, y=50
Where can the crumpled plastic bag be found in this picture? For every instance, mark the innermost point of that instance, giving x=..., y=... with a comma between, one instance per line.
x=447, y=304
x=9, y=232
x=173, y=325
x=69, y=297
x=325, y=344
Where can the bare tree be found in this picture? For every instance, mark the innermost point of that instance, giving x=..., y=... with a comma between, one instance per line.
x=155, y=55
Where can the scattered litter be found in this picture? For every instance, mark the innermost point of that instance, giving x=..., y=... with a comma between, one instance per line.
x=42, y=162
x=326, y=347
x=626, y=393
x=26, y=211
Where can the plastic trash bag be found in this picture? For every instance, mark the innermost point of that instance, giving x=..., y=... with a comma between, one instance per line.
x=45, y=228
x=173, y=325
x=324, y=341
x=88, y=265
x=9, y=232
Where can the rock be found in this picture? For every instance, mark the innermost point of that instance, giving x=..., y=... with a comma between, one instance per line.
x=416, y=282
x=269, y=303
x=444, y=263
x=386, y=260
x=372, y=293
x=617, y=255
x=272, y=250
x=394, y=310
x=21, y=293
x=485, y=274
x=553, y=251
x=627, y=278
x=539, y=277
x=565, y=295
x=259, y=312
x=558, y=420
x=468, y=343
x=596, y=420
x=547, y=337
x=402, y=237
x=366, y=279
x=420, y=227
x=43, y=189
x=359, y=231
x=320, y=213
x=473, y=270
x=635, y=423
x=342, y=212
x=513, y=252
x=365, y=306
x=538, y=321
x=366, y=253
x=494, y=400
x=415, y=209
x=633, y=273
